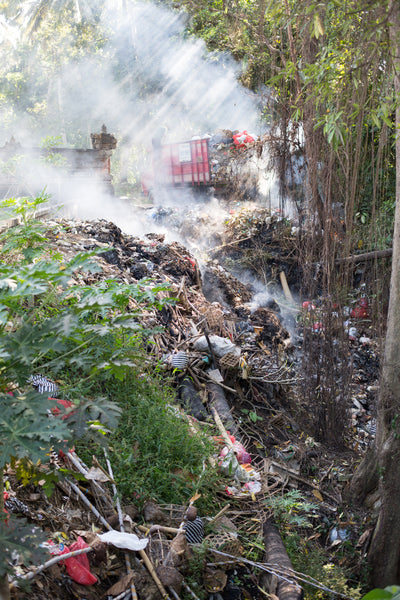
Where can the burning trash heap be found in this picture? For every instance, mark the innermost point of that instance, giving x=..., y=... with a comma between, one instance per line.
x=230, y=363
x=207, y=348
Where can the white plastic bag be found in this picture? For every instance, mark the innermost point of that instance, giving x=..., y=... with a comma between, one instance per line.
x=127, y=541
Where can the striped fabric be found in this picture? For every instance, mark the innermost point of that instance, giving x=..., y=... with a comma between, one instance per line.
x=194, y=531
x=43, y=385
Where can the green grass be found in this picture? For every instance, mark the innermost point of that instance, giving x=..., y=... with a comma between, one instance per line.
x=153, y=452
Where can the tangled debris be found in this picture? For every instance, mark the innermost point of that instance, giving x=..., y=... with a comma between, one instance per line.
x=232, y=365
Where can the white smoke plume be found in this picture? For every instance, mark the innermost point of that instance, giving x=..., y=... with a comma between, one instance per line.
x=167, y=80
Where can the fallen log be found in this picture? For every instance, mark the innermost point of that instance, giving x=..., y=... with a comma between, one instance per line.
x=365, y=256
x=275, y=554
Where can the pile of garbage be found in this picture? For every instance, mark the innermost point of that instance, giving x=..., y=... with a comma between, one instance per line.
x=232, y=155
x=233, y=364
x=251, y=240
x=211, y=301
x=260, y=242
x=351, y=326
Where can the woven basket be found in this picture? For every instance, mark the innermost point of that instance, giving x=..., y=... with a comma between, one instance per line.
x=214, y=317
x=224, y=541
x=174, y=513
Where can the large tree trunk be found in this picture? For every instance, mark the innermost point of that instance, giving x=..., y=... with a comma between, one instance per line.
x=384, y=554
x=365, y=480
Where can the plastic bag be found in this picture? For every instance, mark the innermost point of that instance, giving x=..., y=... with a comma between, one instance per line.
x=78, y=567
x=127, y=541
x=241, y=139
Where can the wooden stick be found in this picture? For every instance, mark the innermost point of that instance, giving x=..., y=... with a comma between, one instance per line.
x=191, y=592
x=221, y=427
x=285, y=287
x=53, y=561
x=173, y=592
x=155, y=528
x=121, y=596
x=194, y=377
x=76, y=461
x=90, y=505
x=219, y=514
x=121, y=524
x=366, y=256
x=213, y=359
x=230, y=243
x=222, y=385
x=152, y=571
x=142, y=553
x=98, y=465
x=293, y=474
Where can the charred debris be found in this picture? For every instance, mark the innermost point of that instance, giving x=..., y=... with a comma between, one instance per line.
x=235, y=365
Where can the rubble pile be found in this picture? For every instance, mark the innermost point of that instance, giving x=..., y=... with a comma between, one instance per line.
x=210, y=346
x=252, y=241
x=213, y=301
x=256, y=239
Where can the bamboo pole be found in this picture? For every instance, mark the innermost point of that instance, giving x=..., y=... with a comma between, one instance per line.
x=285, y=287
x=121, y=523
x=53, y=561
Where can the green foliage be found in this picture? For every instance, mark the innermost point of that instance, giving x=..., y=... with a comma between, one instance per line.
x=390, y=592
x=17, y=537
x=195, y=571
x=251, y=415
x=46, y=476
x=25, y=427
x=28, y=238
x=89, y=337
x=88, y=332
x=314, y=560
x=53, y=158
x=287, y=509
x=153, y=452
x=51, y=141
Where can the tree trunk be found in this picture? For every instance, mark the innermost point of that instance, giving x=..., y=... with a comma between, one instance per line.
x=365, y=480
x=276, y=555
x=4, y=588
x=384, y=554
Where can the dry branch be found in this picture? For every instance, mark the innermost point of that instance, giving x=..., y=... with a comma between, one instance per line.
x=366, y=256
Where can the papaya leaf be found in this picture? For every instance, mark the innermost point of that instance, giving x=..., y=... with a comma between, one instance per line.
x=25, y=427
x=21, y=540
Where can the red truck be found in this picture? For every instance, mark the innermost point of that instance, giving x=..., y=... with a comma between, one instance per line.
x=212, y=161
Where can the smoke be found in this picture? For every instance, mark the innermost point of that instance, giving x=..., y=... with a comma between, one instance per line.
x=146, y=74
